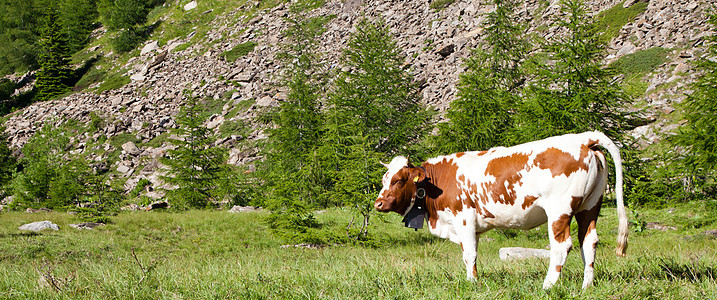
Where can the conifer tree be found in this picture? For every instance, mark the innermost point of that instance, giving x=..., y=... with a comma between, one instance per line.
x=375, y=111
x=48, y=178
x=488, y=91
x=20, y=24
x=195, y=164
x=699, y=135
x=78, y=17
x=55, y=70
x=290, y=171
x=7, y=163
x=575, y=93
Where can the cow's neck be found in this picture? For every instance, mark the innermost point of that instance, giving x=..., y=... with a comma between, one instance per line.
x=441, y=189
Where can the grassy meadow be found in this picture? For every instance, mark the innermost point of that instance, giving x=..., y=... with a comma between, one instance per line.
x=220, y=255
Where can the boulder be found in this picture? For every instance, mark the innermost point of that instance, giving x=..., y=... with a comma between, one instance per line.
x=137, y=77
x=149, y=48
x=190, y=6
x=38, y=226
x=515, y=253
x=130, y=148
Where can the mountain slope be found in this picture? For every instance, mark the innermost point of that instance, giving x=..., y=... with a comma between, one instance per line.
x=179, y=57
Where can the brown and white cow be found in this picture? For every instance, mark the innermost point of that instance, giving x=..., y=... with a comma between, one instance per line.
x=521, y=187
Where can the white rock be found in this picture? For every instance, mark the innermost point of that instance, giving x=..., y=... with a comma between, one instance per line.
x=137, y=77
x=149, y=48
x=123, y=169
x=190, y=5
x=513, y=253
x=37, y=226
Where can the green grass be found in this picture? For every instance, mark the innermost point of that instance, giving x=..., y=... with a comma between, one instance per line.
x=215, y=254
x=238, y=51
x=440, y=4
x=113, y=82
x=610, y=21
x=642, y=61
x=636, y=65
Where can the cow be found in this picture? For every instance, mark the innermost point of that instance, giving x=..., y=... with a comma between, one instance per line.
x=519, y=187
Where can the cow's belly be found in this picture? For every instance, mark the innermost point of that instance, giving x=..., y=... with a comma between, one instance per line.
x=512, y=217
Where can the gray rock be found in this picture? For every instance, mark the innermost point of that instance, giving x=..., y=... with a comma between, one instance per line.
x=514, y=253
x=123, y=169
x=137, y=77
x=238, y=209
x=305, y=245
x=130, y=207
x=88, y=225
x=149, y=48
x=38, y=226
x=660, y=227
x=131, y=149
x=629, y=3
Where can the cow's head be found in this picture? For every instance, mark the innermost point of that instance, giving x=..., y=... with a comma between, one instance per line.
x=399, y=185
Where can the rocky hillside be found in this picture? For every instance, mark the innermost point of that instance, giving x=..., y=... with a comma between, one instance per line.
x=435, y=43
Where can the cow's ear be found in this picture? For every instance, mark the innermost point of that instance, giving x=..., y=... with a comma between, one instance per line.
x=418, y=174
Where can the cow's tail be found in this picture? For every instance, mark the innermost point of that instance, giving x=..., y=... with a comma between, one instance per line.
x=614, y=151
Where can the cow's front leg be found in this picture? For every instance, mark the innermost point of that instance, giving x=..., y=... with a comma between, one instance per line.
x=469, y=257
x=468, y=241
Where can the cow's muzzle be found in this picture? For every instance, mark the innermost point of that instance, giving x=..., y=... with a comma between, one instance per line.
x=382, y=204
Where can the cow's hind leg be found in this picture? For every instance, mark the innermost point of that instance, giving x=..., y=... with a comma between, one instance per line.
x=560, y=244
x=587, y=235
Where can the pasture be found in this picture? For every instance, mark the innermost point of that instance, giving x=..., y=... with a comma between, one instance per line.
x=220, y=255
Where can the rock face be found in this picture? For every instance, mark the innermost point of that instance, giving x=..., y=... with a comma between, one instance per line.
x=435, y=43
x=515, y=253
x=38, y=226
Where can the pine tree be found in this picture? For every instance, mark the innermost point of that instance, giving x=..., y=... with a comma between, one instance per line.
x=699, y=135
x=52, y=79
x=195, y=164
x=488, y=91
